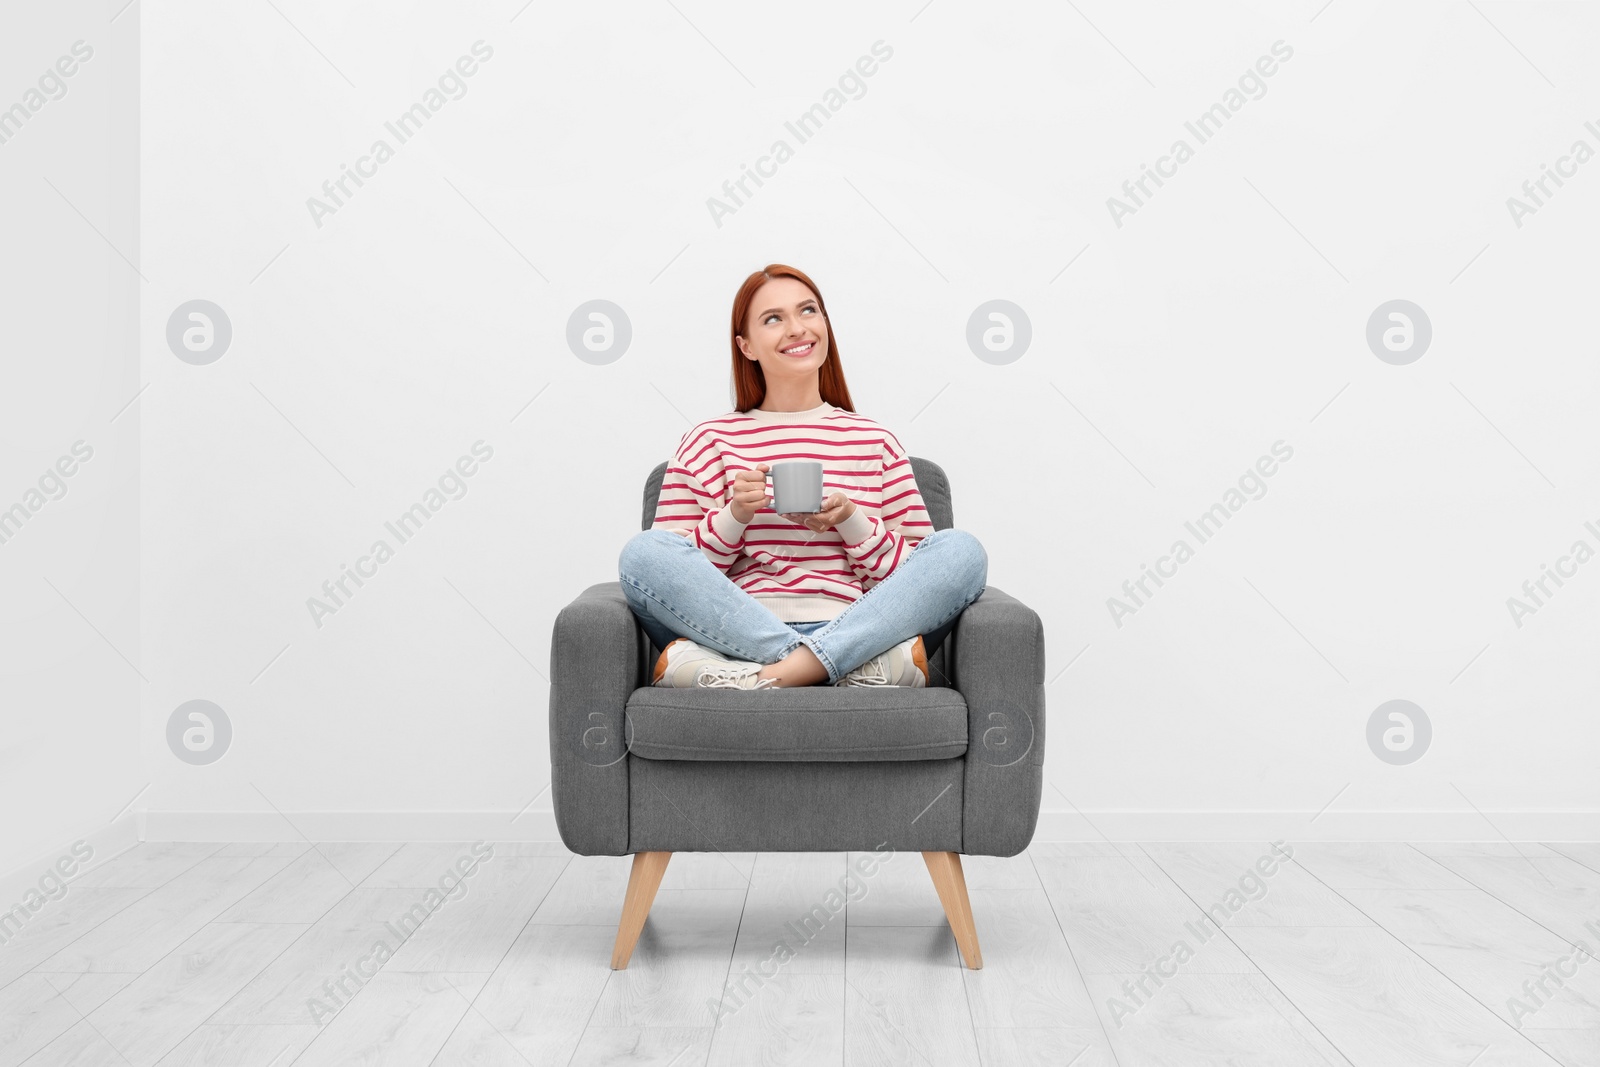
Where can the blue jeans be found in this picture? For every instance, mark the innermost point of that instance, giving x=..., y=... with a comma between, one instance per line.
x=675, y=591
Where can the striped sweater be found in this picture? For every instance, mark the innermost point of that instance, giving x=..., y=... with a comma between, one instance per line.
x=799, y=575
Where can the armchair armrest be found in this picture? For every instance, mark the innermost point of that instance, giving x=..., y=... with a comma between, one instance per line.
x=998, y=667
x=598, y=658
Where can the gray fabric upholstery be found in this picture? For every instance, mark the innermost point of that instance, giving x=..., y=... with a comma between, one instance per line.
x=683, y=806
x=813, y=723
x=998, y=666
x=956, y=767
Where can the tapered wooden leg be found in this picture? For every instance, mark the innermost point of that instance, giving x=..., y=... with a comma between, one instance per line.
x=951, y=885
x=643, y=881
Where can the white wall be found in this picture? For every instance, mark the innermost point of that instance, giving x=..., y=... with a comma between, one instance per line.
x=1228, y=313
x=70, y=649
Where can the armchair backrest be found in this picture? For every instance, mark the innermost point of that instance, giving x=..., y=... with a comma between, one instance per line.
x=931, y=483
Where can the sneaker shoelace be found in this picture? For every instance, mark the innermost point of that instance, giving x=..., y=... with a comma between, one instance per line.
x=729, y=678
x=873, y=672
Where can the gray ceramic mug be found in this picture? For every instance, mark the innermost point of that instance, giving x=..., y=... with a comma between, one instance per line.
x=796, y=486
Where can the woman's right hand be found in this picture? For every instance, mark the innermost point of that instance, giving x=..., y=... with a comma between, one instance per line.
x=749, y=492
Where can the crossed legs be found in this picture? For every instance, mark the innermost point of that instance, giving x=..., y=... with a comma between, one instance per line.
x=676, y=591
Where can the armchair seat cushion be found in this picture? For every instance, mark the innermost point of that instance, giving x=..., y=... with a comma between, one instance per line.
x=808, y=723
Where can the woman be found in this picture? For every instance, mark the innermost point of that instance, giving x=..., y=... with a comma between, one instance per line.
x=738, y=596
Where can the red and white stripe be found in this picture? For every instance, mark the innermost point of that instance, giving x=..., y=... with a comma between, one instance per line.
x=802, y=576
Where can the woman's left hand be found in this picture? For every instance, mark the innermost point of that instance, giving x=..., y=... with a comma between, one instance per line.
x=835, y=509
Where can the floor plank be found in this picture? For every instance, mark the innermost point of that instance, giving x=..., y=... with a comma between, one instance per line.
x=789, y=902
x=793, y=1019
x=59, y=925
x=1350, y=953
x=1484, y=849
x=588, y=892
x=475, y=1043
x=1377, y=1002
x=152, y=926
x=1246, y=884
x=240, y=1045
x=996, y=872
x=315, y=880
x=419, y=865
x=79, y=1047
x=1029, y=977
x=904, y=1001
x=1557, y=893
x=1374, y=865
x=86, y=990
x=321, y=972
x=899, y=892
x=1570, y=1048
x=32, y=1014
x=1587, y=853
x=1490, y=949
x=1200, y=1019
x=398, y=1019
x=1120, y=913
x=1296, y=1018
x=148, y=864
x=677, y=972
x=648, y=1046
x=709, y=870
x=157, y=1010
x=292, y=849
x=472, y=933
x=539, y=999
x=1045, y=1047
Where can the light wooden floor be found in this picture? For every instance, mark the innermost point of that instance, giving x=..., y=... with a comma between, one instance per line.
x=1362, y=954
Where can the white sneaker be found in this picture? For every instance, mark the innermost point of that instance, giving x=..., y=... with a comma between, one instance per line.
x=905, y=665
x=686, y=665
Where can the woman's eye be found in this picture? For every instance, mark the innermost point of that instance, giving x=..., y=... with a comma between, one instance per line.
x=769, y=318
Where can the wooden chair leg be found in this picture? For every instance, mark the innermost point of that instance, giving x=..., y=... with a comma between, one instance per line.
x=951, y=884
x=643, y=881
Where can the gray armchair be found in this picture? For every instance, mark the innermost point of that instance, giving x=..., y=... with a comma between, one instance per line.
x=953, y=768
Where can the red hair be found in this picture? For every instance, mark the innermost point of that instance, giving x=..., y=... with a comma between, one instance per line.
x=750, y=383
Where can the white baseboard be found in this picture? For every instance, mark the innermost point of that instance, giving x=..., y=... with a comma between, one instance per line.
x=490, y=826
x=535, y=825
x=1415, y=826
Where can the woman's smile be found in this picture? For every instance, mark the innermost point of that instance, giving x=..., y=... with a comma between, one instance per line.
x=800, y=349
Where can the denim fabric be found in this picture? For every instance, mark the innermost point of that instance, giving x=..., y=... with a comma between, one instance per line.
x=675, y=591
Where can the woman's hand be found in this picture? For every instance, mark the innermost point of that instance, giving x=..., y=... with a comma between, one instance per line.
x=749, y=492
x=835, y=510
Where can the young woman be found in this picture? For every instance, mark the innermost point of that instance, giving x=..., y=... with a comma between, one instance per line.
x=738, y=596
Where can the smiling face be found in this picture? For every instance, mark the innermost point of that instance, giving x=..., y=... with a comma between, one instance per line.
x=787, y=332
